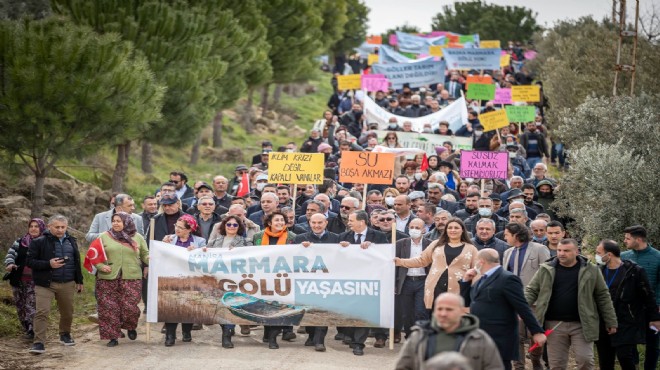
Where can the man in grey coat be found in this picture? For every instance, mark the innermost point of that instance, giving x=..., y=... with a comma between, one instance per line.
x=103, y=221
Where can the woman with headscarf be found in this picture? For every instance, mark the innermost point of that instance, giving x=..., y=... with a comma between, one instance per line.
x=119, y=278
x=186, y=235
x=20, y=277
x=275, y=233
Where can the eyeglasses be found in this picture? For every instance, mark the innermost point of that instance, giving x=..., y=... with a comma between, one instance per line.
x=386, y=219
x=207, y=204
x=231, y=225
x=174, y=181
x=345, y=207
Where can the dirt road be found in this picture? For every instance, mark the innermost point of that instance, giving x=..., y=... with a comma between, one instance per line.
x=204, y=352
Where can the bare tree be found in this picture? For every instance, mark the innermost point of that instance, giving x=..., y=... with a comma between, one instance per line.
x=650, y=23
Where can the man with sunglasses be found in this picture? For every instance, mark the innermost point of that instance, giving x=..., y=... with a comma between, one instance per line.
x=385, y=224
x=180, y=181
x=205, y=216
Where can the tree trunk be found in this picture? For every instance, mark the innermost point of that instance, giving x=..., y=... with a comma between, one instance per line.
x=217, y=130
x=277, y=94
x=147, y=166
x=38, y=200
x=121, y=168
x=264, y=100
x=246, y=118
x=194, y=154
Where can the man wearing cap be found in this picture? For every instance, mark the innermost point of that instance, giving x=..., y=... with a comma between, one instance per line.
x=220, y=186
x=265, y=145
x=205, y=190
x=326, y=149
x=516, y=195
x=394, y=107
x=263, y=165
x=416, y=200
x=236, y=180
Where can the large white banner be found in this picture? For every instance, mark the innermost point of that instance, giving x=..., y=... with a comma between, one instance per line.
x=415, y=74
x=416, y=44
x=455, y=113
x=427, y=142
x=322, y=285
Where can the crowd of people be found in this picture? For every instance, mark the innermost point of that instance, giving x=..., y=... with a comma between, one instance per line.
x=484, y=267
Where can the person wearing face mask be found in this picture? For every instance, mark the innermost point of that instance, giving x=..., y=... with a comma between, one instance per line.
x=409, y=284
x=538, y=231
x=497, y=299
x=634, y=305
x=480, y=139
x=485, y=211
x=546, y=196
x=521, y=168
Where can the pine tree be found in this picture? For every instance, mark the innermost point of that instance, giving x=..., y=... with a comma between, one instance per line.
x=66, y=91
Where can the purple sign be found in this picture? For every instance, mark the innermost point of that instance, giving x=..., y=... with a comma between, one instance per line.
x=375, y=84
x=502, y=96
x=484, y=165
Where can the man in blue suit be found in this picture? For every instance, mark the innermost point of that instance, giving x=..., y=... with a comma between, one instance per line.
x=497, y=299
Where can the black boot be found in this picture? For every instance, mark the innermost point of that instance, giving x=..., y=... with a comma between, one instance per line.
x=272, y=338
x=170, y=335
x=226, y=338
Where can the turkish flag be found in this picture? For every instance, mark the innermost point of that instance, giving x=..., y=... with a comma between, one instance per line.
x=95, y=255
x=425, y=163
x=244, y=186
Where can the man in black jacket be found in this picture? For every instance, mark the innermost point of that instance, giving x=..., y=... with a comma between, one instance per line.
x=318, y=234
x=634, y=304
x=359, y=233
x=55, y=262
x=497, y=299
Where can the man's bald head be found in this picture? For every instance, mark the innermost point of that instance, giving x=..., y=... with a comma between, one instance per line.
x=489, y=256
x=450, y=298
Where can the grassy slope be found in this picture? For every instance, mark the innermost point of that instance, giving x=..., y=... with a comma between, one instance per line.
x=308, y=109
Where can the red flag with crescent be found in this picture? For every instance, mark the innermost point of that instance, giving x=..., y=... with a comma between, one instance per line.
x=95, y=255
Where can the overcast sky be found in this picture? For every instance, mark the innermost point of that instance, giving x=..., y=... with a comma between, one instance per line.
x=386, y=14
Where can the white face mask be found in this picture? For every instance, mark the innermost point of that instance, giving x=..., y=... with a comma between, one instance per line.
x=599, y=260
x=478, y=133
x=418, y=176
x=485, y=212
x=512, y=154
x=261, y=186
x=389, y=201
x=414, y=233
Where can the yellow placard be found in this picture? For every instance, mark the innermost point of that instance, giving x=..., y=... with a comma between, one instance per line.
x=494, y=120
x=526, y=93
x=367, y=168
x=295, y=168
x=349, y=82
x=373, y=58
x=435, y=50
x=505, y=60
x=490, y=44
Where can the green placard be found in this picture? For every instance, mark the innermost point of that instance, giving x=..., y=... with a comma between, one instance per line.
x=526, y=113
x=481, y=91
x=465, y=38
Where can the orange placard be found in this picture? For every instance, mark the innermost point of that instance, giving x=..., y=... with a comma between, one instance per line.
x=453, y=39
x=485, y=79
x=375, y=40
x=366, y=168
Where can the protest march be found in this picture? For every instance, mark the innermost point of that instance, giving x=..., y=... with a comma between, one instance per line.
x=420, y=214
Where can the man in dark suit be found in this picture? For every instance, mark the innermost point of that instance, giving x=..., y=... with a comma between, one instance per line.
x=318, y=234
x=364, y=236
x=497, y=299
x=409, y=284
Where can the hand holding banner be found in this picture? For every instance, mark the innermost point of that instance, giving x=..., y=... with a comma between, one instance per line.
x=494, y=120
x=526, y=93
x=366, y=168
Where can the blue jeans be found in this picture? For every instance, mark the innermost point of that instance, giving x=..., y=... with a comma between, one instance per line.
x=558, y=153
x=532, y=161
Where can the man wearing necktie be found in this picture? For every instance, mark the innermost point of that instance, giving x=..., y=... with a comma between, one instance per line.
x=497, y=299
x=359, y=233
x=523, y=259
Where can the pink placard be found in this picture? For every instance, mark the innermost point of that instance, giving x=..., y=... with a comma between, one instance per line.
x=484, y=165
x=503, y=52
x=502, y=96
x=375, y=84
x=530, y=54
x=392, y=40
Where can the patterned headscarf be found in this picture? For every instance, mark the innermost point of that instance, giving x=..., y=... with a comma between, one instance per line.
x=190, y=221
x=128, y=232
x=27, y=238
